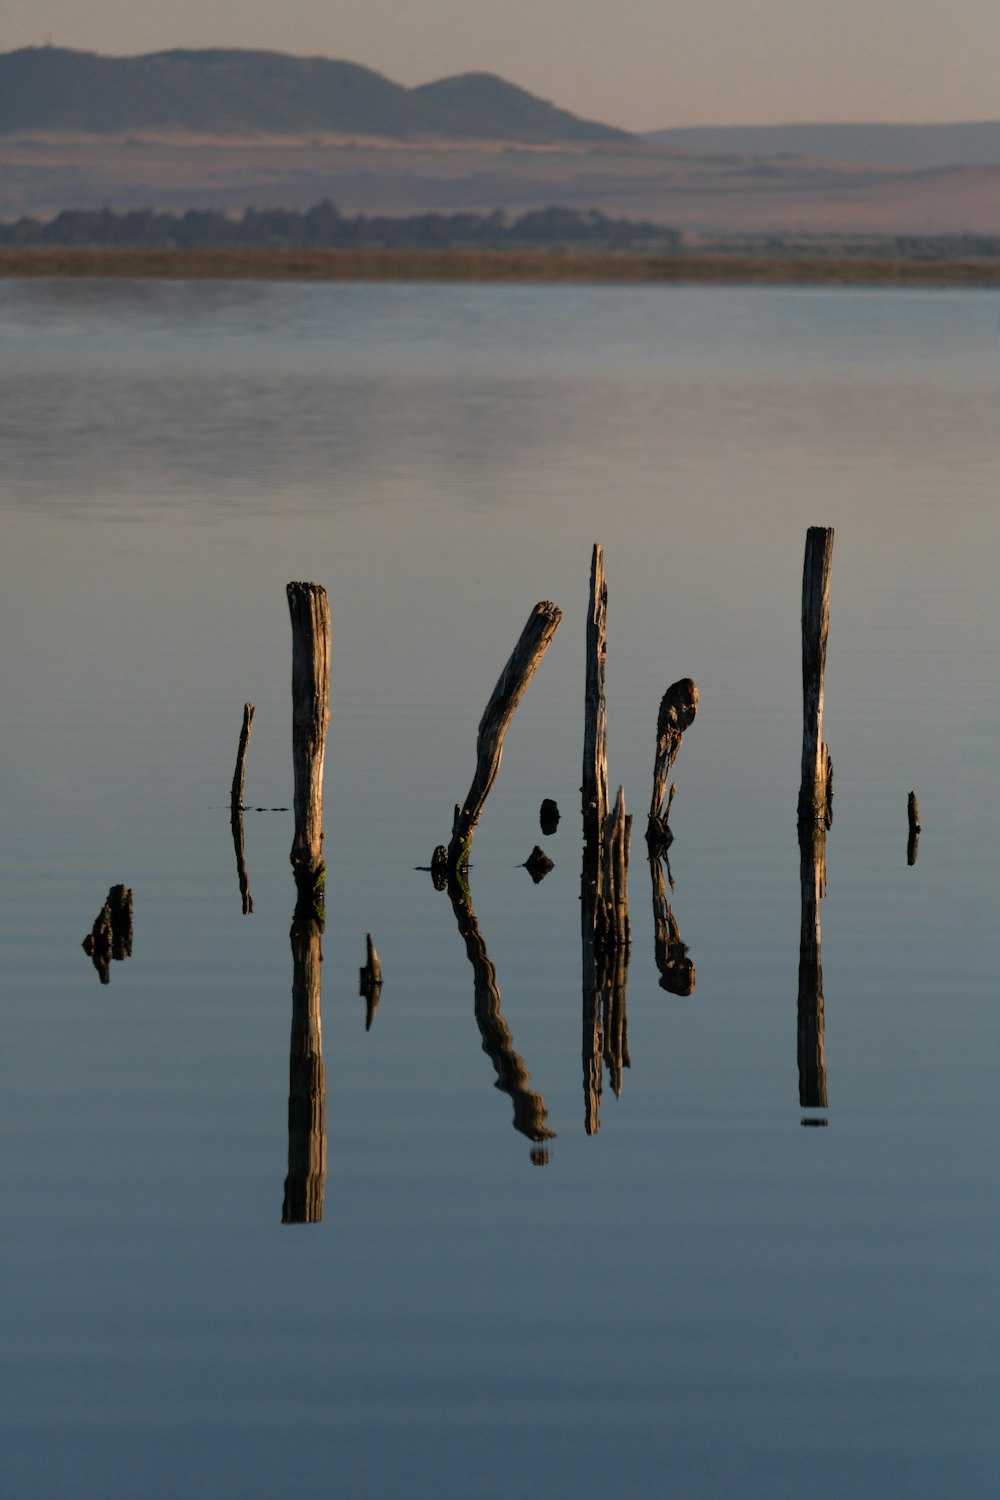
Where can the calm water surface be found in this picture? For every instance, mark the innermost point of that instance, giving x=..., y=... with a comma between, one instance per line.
x=702, y=1299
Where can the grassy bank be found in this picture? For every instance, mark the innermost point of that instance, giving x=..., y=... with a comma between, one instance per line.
x=500, y=266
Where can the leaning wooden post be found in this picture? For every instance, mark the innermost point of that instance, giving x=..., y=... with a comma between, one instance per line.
x=595, y=722
x=913, y=841
x=310, y=615
x=510, y=689
x=816, y=785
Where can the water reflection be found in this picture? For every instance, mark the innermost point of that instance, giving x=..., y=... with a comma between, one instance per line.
x=677, y=973
x=513, y=1077
x=811, y=1046
x=306, y=1073
x=606, y=944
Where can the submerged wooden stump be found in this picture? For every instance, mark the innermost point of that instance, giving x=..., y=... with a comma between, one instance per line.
x=310, y=617
x=510, y=689
x=370, y=981
x=110, y=938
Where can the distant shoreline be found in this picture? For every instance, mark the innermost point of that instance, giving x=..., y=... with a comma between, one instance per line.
x=530, y=266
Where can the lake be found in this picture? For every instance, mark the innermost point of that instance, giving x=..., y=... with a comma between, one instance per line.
x=695, y=1296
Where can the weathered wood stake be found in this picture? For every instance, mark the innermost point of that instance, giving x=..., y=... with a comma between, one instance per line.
x=595, y=723
x=310, y=616
x=814, y=791
x=236, y=795
x=913, y=841
x=370, y=982
x=510, y=689
x=111, y=935
x=678, y=708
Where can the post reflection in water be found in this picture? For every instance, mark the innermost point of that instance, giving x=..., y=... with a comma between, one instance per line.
x=605, y=982
x=513, y=1077
x=306, y=1074
x=811, y=1046
x=677, y=973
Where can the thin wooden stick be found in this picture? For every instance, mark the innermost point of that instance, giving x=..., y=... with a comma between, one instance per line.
x=913, y=841
x=310, y=616
x=814, y=805
x=236, y=795
x=595, y=723
x=535, y=637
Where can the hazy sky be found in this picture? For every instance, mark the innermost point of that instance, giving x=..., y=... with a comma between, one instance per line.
x=641, y=64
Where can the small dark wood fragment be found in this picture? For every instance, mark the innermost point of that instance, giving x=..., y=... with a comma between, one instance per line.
x=548, y=817
x=370, y=986
x=538, y=864
x=111, y=935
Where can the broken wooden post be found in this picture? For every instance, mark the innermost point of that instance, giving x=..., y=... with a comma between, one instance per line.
x=370, y=982
x=304, y=1185
x=595, y=723
x=236, y=795
x=815, y=791
x=111, y=935
x=678, y=708
x=513, y=681
x=913, y=841
x=310, y=616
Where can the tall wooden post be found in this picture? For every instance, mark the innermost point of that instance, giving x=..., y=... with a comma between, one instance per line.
x=816, y=786
x=310, y=616
x=595, y=723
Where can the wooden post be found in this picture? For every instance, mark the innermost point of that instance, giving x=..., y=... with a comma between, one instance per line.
x=236, y=810
x=236, y=795
x=678, y=708
x=310, y=616
x=595, y=723
x=513, y=1077
x=510, y=689
x=816, y=785
x=913, y=841
x=304, y=1185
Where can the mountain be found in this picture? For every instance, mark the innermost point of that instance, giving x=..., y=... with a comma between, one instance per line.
x=233, y=92
x=919, y=146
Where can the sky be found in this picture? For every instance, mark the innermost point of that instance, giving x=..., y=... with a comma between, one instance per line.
x=639, y=64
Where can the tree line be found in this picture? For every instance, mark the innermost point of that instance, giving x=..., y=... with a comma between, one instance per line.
x=324, y=227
